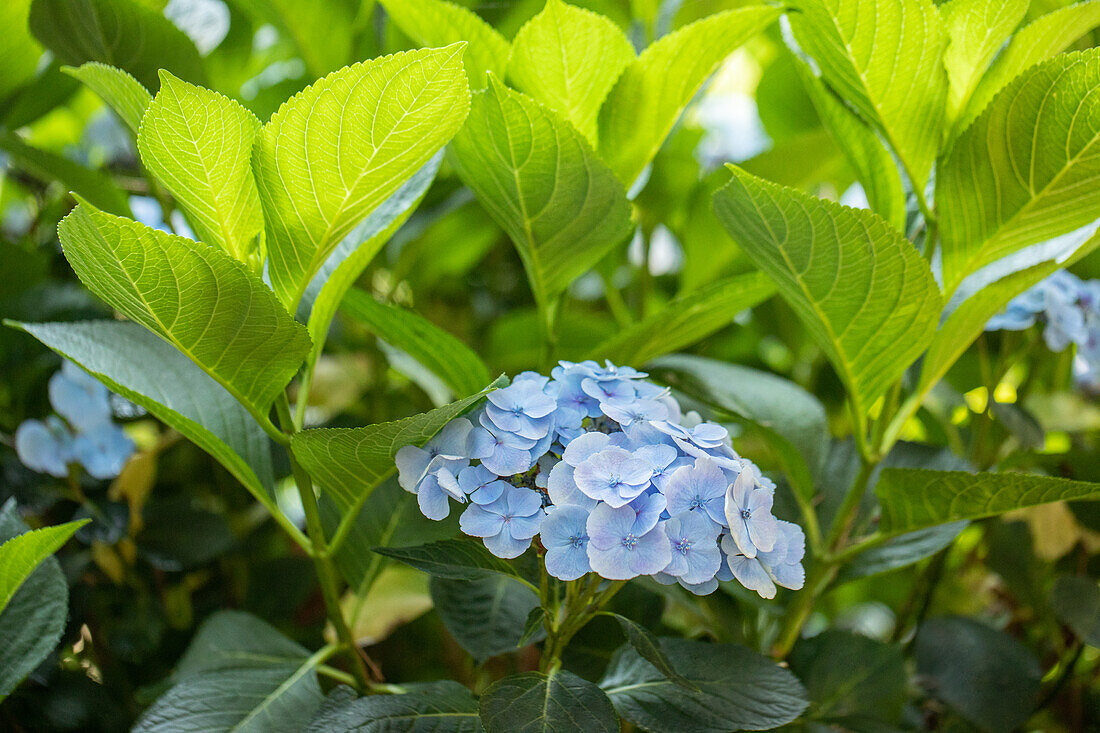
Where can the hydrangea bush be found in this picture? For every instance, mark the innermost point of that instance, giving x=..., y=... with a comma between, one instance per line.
x=284, y=247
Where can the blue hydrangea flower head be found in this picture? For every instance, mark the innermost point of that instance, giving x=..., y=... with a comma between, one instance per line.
x=782, y=565
x=45, y=447
x=502, y=452
x=701, y=486
x=432, y=472
x=620, y=547
x=523, y=408
x=748, y=515
x=508, y=524
x=695, y=554
x=565, y=536
x=480, y=485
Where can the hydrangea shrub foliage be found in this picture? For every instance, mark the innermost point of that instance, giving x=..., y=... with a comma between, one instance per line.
x=808, y=440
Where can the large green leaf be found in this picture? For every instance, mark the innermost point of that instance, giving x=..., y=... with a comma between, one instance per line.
x=541, y=181
x=444, y=355
x=739, y=689
x=486, y=616
x=885, y=58
x=440, y=23
x=338, y=149
x=850, y=676
x=1027, y=170
x=20, y=555
x=119, y=89
x=349, y=462
x=20, y=52
x=238, y=674
x=874, y=165
x=654, y=89
x=976, y=31
x=32, y=621
x=436, y=707
x=198, y=144
x=862, y=289
x=568, y=58
x=1041, y=39
x=124, y=33
x=687, y=319
x=914, y=498
x=195, y=296
x=146, y=370
x=553, y=702
x=988, y=677
x=793, y=420
x=48, y=167
x=459, y=559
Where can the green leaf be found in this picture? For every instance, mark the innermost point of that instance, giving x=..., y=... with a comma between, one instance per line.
x=196, y=297
x=886, y=60
x=238, y=674
x=20, y=52
x=349, y=463
x=32, y=621
x=347, y=262
x=48, y=167
x=438, y=707
x=1041, y=39
x=463, y=559
x=146, y=370
x=198, y=144
x=568, y=58
x=539, y=179
x=916, y=498
x=740, y=689
x=687, y=319
x=441, y=23
x=557, y=702
x=976, y=31
x=991, y=679
x=849, y=676
x=123, y=33
x=338, y=149
x=20, y=555
x=967, y=321
x=872, y=162
x=486, y=616
x=656, y=87
x=793, y=420
x=443, y=354
x=864, y=292
x=1076, y=603
x=1027, y=170
x=122, y=92
x=649, y=648
x=900, y=551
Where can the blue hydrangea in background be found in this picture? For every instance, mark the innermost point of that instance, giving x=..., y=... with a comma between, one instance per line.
x=1069, y=310
x=602, y=470
x=87, y=436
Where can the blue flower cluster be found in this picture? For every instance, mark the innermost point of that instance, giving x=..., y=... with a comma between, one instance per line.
x=87, y=435
x=603, y=467
x=1069, y=309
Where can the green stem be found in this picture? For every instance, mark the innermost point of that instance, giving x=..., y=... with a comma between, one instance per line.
x=821, y=574
x=615, y=302
x=846, y=514
x=323, y=561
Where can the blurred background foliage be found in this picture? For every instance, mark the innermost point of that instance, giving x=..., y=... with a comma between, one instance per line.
x=174, y=537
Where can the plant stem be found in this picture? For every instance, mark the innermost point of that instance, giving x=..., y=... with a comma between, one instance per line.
x=846, y=513
x=322, y=560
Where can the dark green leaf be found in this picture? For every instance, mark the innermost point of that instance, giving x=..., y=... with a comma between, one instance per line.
x=1076, y=603
x=900, y=551
x=486, y=616
x=848, y=675
x=463, y=559
x=440, y=707
x=123, y=33
x=558, y=702
x=649, y=648
x=740, y=689
x=987, y=676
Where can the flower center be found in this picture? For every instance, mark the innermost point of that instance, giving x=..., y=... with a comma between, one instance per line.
x=682, y=545
x=697, y=503
x=576, y=541
x=746, y=513
x=629, y=541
